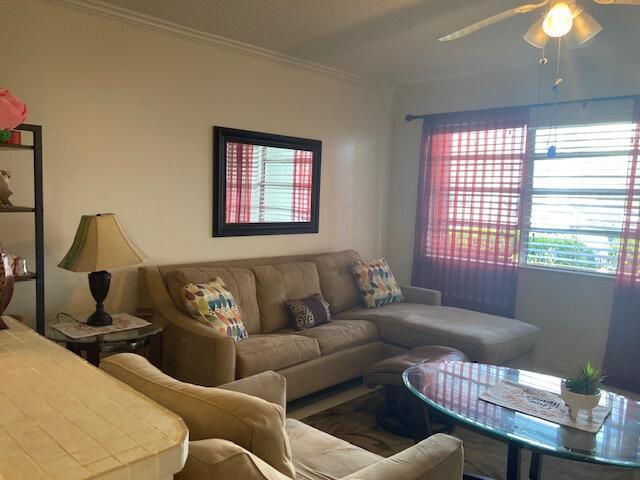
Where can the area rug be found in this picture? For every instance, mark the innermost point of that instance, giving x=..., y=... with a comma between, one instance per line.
x=355, y=422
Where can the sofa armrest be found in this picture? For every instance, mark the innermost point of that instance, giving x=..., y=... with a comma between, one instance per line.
x=269, y=386
x=195, y=353
x=439, y=457
x=192, y=352
x=217, y=458
x=247, y=421
x=421, y=295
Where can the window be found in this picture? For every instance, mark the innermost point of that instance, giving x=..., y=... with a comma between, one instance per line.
x=575, y=202
x=540, y=186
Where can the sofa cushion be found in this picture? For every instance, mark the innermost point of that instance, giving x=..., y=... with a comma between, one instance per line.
x=308, y=312
x=484, y=338
x=277, y=283
x=336, y=279
x=213, y=305
x=320, y=456
x=217, y=458
x=240, y=281
x=376, y=282
x=342, y=334
x=259, y=353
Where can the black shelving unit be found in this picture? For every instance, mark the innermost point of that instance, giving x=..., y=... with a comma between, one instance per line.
x=38, y=212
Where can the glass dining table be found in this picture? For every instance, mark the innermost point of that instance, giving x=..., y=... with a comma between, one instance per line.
x=453, y=389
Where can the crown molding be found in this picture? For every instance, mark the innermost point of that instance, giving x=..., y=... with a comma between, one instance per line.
x=114, y=12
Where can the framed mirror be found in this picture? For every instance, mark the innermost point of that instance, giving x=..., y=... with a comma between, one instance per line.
x=264, y=184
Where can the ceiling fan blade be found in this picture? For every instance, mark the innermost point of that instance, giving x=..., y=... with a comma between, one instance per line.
x=618, y=2
x=585, y=27
x=493, y=19
x=536, y=36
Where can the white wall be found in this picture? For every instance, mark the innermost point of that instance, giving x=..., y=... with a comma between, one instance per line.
x=572, y=310
x=128, y=115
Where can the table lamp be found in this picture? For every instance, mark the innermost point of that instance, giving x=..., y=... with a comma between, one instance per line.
x=100, y=243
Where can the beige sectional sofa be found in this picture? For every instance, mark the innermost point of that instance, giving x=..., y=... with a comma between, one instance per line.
x=319, y=357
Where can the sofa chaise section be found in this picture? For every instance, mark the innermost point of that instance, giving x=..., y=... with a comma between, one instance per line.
x=483, y=338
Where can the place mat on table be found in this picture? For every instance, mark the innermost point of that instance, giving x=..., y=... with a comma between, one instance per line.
x=121, y=322
x=543, y=404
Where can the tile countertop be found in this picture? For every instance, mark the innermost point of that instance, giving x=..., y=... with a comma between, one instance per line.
x=62, y=418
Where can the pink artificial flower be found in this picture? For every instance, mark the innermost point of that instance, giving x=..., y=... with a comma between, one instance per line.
x=12, y=111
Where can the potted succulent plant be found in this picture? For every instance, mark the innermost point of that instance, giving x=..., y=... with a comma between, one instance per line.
x=583, y=391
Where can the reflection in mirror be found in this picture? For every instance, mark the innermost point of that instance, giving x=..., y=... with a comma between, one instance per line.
x=268, y=184
x=264, y=183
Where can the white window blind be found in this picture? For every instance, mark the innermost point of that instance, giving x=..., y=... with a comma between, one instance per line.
x=574, y=205
x=272, y=184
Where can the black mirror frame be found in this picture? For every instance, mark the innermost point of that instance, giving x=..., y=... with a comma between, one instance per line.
x=221, y=136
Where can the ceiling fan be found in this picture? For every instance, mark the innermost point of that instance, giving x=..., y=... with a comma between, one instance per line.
x=562, y=18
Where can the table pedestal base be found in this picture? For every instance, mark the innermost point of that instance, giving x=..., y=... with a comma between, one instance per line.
x=513, y=466
x=422, y=429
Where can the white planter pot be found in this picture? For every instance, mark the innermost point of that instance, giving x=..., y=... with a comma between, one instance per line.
x=577, y=401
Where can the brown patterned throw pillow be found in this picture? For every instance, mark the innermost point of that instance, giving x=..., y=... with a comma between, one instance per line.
x=308, y=312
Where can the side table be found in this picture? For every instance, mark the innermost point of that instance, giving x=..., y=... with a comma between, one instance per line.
x=149, y=338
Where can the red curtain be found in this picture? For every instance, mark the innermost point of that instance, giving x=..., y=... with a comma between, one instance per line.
x=623, y=345
x=239, y=177
x=469, y=209
x=302, y=179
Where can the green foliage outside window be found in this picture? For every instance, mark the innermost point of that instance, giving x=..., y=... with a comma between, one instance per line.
x=568, y=251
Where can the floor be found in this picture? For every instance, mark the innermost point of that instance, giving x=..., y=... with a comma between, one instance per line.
x=326, y=399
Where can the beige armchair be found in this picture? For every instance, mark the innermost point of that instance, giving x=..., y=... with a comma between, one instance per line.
x=239, y=431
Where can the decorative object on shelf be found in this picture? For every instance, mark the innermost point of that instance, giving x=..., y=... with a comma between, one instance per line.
x=20, y=267
x=12, y=113
x=6, y=280
x=11, y=137
x=5, y=189
x=583, y=391
x=100, y=243
x=15, y=138
x=265, y=184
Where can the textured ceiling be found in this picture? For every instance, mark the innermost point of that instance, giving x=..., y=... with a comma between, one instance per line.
x=390, y=41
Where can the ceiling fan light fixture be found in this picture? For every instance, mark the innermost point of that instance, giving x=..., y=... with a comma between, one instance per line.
x=535, y=36
x=585, y=27
x=558, y=21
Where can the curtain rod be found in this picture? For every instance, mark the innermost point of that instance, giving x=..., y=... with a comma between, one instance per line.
x=410, y=117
